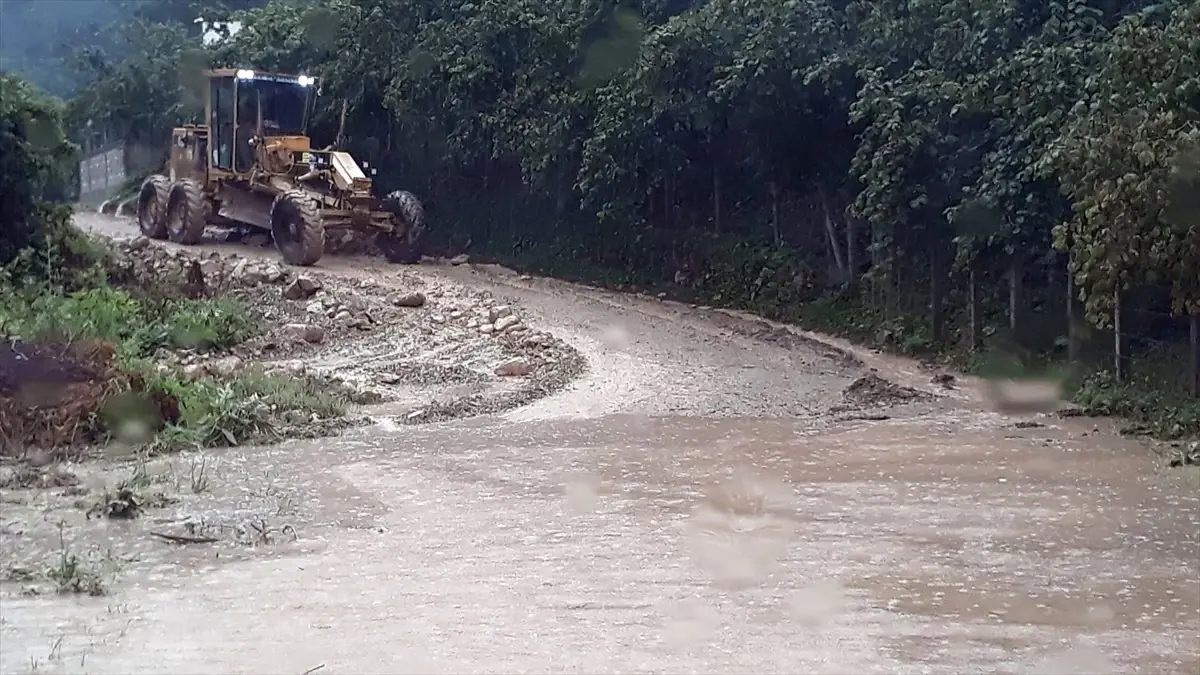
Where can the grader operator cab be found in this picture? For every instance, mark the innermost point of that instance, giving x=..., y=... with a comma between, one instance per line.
x=251, y=163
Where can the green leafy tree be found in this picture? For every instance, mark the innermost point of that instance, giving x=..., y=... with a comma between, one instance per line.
x=1116, y=155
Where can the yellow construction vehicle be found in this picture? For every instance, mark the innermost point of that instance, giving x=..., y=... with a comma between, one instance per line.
x=251, y=163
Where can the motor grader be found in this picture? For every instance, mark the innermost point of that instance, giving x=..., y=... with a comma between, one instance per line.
x=252, y=164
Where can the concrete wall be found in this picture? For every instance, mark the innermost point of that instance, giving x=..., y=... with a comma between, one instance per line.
x=102, y=172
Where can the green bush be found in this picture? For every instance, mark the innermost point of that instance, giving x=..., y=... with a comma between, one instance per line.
x=202, y=325
x=137, y=327
x=36, y=163
x=252, y=406
x=1166, y=414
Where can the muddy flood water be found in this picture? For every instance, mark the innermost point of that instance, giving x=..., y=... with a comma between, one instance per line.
x=700, y=501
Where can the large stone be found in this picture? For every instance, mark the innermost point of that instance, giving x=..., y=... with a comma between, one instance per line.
x=225, y=367
x=499, y=312
x=274, y=273
x=301, y=288
x=408, y=299
x=247, y=273
x=212, y=269
x=304, y=332
x=514, y=368
x=506, y=322
x=460, y=259
x=193, y=371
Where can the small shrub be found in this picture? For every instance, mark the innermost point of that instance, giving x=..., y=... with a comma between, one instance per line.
x=100, y=313
x=207, y=324
x=73, y=574
x=112, y=315
x=253, y=406
x=1165, y=413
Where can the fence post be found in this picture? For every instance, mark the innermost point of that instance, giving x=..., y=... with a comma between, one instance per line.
x=1120, y=340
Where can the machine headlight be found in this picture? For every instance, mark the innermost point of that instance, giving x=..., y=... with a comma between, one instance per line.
x=245, y=74
x=306, y=81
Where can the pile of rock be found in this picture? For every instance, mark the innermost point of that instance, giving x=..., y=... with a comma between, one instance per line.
x=455, y=332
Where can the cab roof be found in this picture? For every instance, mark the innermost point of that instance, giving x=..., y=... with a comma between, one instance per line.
x=217, y=73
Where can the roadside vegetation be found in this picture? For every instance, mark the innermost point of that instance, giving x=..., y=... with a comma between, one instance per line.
x=86, y=338
x=980, y=182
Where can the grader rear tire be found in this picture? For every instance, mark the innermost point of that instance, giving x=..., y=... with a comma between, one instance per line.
x=188, y=210
x=403, y=245
x=152, y=206
x=297, y=228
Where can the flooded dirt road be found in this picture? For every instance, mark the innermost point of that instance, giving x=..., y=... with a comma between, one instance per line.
x=703, y=500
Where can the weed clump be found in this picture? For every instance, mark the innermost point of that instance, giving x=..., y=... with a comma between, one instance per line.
x=78, y=365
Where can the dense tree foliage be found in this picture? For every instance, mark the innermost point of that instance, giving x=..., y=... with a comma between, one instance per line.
x=761, y=151
x=36, y=160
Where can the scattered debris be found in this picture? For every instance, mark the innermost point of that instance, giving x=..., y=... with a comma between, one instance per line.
x=944, y=380
x=1188, y=455
x=184, y=538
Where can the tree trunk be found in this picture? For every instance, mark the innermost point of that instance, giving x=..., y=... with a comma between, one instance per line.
x=1120, y=340
x=851, y=263
x=976, y=312
x=775, y=213
x=936, y=323
x=831, y=234
x=1195, y=350
x=1015, y=296
x=1074, y=319
x=716, y=177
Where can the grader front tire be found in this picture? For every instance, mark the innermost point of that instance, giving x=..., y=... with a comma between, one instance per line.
x=403, y=245
x=188, y=210
x=297, y=228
